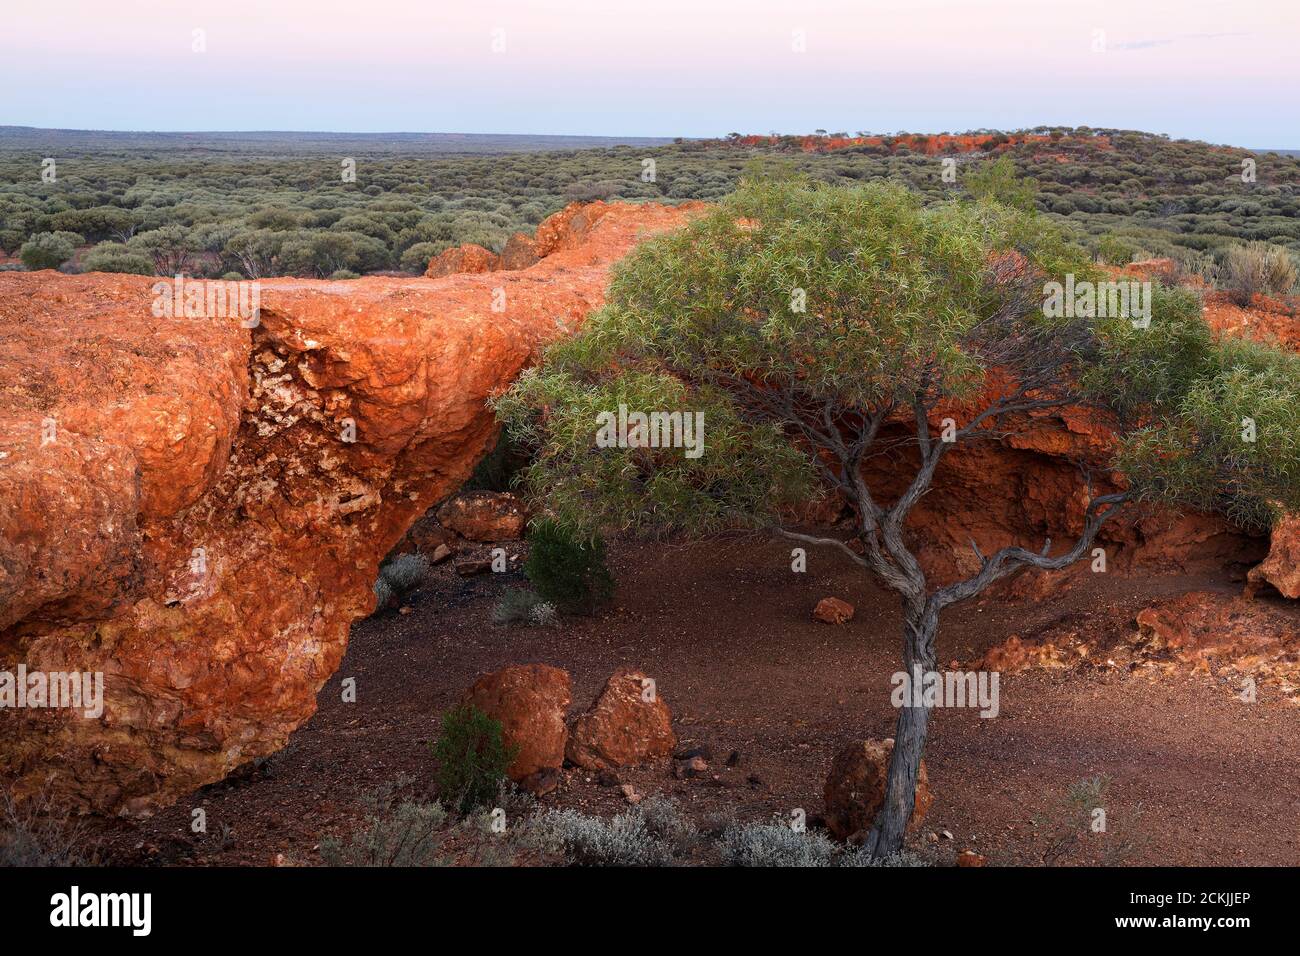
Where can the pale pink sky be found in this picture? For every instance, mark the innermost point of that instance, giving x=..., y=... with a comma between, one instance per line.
x=1221, y=70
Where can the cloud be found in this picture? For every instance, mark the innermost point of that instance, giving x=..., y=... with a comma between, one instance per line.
x=1170, y=41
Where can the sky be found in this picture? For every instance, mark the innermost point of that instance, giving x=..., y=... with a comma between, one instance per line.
x=1225, y=71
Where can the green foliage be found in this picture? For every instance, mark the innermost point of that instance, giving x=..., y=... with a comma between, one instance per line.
x=827, y=294
x=519, y=606
x=397, y=578
x=396, y=833
x=899, y=299
x=497, y=470
x=48, y=250
x=997, y=180
x=774, y=844
x=1257, y=268
x=472, y=758
x=1067, y=829
x=567, y=566
x=116, y=257
x=627, y=839
x=416, y=258
x=1116, y=251
x=1164, y=194
x=170, y=247
x=1229, y=440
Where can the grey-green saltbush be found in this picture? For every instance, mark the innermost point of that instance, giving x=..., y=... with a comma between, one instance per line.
x=773, y=844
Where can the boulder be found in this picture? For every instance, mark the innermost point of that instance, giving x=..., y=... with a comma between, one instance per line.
x=427, y=537
x=520, y=252
x=484, y=516
x=855, y=789
x=1281, y=568
x=466, y=259
x=833, y=611
x=628, y=724
x=197, y=508
x=530, y=701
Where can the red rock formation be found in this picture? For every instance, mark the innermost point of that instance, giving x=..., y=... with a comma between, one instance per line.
x=628, y=724
x=1281, y=568
x=530, y=701
x=207, y=515
x=520, y=252
x=468, y=258
x=1029, y=485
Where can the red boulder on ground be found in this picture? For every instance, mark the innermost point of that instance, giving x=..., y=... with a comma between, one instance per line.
x=855, y=789
x=462, y=260
x=628, y=724
x=485, y=516
x=530, y=701
x=520, y=252
x=833, y=611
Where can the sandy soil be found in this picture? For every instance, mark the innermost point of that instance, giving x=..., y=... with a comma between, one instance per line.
x=1197, y=776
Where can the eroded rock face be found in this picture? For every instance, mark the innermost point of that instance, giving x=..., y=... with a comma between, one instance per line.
x=628, y=724
x=1028, y=485
x=855, y=789
x=1281, y=568
x=197, y=510
x=530, y=701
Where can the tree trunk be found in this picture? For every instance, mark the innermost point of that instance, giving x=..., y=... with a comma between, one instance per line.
x=909, y=739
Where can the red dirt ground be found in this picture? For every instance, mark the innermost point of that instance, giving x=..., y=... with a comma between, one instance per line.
x=725, y=628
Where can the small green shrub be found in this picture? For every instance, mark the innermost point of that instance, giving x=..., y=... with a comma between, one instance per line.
x=519, y=606
x=1257, y=268
x=47, y=250
x=407, y=834
x=515, y=606
x=397, y=578
x=416, y=258
x=624, y=840
x=1116, y=251
x=903, y=858
x=1069, y=832
x=497, y=469
x=567, y=567
x=472, y=758
x=344, y=274
x=116, y=257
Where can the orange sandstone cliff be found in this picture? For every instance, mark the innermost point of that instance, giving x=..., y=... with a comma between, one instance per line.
x=197, y=509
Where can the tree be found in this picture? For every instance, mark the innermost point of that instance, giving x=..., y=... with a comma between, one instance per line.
x=48, y=250
x=810, y=325
x=256, y=251
x=171, y=248
x=998, y=181
x=416, y=258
